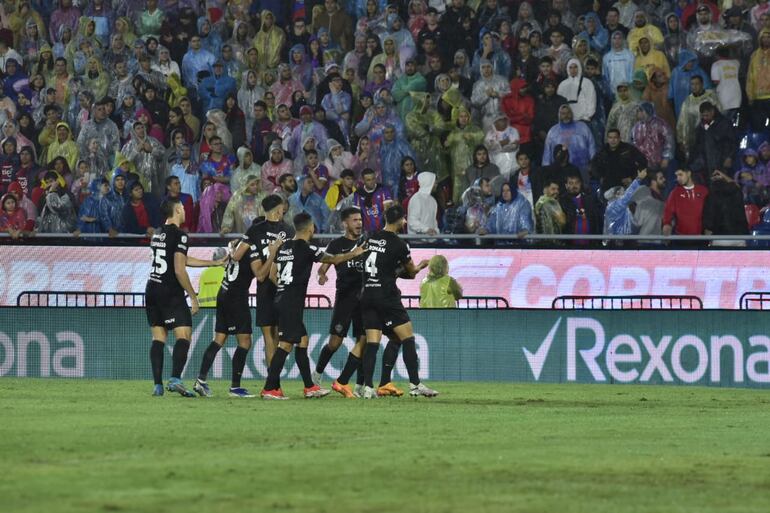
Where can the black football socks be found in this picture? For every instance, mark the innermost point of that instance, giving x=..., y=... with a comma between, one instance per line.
x=303, y=362
x=388, y=361
x=179, y=357
x=351, y=366
x=208, y=360
x=370, y=360
x=156, y=361
x=323, y=360
x=411, y=361
x=273, y=381
x=239, y=363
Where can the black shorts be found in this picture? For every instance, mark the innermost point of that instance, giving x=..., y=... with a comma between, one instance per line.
x=347, y=310
x=384, y=314
x=166, y=309
x=267, y=315
x=233, y=314
x=291, y=326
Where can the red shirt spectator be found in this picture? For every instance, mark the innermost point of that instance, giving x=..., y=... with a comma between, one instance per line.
x=685, y=205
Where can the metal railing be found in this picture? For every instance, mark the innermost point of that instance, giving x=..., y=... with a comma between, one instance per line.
x=50, y=298
x=470, y=302
x=755, y=300
x=627, y=303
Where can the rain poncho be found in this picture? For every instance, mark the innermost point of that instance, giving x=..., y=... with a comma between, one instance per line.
x=210, y=38
x=314, y=205
x=501, y=61
x=301, y=71
x=579, y=92
x=421, y=216
x=503, y=156
x=689, y=117
x=214, y=89
x=402, y=89
x=212, y=207
x=247, y=96
x=511, y=217
x=373, y=125
x=424, y=125
x=149, y=23
x=335, y=166
x=97, y=81
x=549, y=216
x=89, y=208
x=238, y=176
x=149, y=165
x=337, y=104
x=679, y=86
x=650, y=31
x=193, y=62
x=243, y=207
x=578, y=139
x=486, y=107
x=600, y=38
x=391, y=154
x=652, y=59
x=63, y=17
x=57, y=215
x=657, y=92
x=284, y=90
x=272, y=171
x=653, y=137
x=111, y=207
x=622, y=116
x=67, y=149
x=302, y=132
x=402, y=36
x=758, y=79
x=105, y=131
x=461, y=142
x=438, y=289
x=269, y=42
x=394, y=63
x=520, y=109
x=674, y=40
x=618, y=219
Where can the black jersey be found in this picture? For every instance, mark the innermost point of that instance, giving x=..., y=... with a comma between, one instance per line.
x=386, y=252
x=165, y=243
x=261, y=235
x=349, y=274
x=294, y=264
x=238, y=275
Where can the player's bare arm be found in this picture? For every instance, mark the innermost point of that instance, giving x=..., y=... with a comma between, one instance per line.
x=274, y=273
x=262, y=270
x=180, y=270
x=411, y=270
x=322, y=277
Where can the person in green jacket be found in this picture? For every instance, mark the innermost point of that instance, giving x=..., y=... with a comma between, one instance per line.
x=410, y=81
x=210, y=281
x=461, y=142
x=438, y=289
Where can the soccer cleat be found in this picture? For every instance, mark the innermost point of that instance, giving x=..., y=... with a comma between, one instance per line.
x=317, y=378
x=176, y=385
x=369, y=393
x=202, y=388
x=389, y=389
x=273, y=394
x=316, y=392
x=421, y=390
x=358, y=391
x=343, y=389
x=240, y=392
x=157, y=391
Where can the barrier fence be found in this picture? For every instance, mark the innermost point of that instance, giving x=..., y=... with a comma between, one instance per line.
x=627, y=303
x=715, y=348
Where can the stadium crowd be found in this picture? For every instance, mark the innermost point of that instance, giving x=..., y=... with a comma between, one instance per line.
x=478, y=116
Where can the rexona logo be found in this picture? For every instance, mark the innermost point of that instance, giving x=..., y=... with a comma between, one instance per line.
x=594, y=355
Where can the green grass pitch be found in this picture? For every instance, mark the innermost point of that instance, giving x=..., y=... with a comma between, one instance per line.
x=92, y=446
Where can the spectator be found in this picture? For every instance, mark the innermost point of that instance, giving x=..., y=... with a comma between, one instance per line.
x=423, y=209
x=141, y=215
x=111, y=206
x=101, y=128
x=88, y=214
x=715, y=142
x=724, y=73
x=12, y=216
x=341, y=189
x=575, y=136
x=410, y=81
x=683, y=213
x=408, y=184
x=524, y=181
x=581, y=209
x=316, y=173
x=643, y=29
x=236, y=121
x=488, y=92
x=211, y=280
x=274, y=168
x=758, y=82
x=196, y=62
x=653, y=137
x=482, y=167
x=307, y=200
x=337, y=21
x=753, y=178
x=145, y=153
x=689, y=116
x=219, y=165
x=63, y=146
x=503, y=143
x=174, y=192
x=338, y=159
x=657, y=92
x=461, y=139
x=622, y=116
x=30, y=210
x=244, y=207
x=373, y=199
x=213, y=204
x=511, y=215
x=650, y=201
x=618, y=218
x=648, y=58
x=723, y=211
x=549, y=216
x=57, y=207
x=438, y=289
x=546, y=111
x=337, y=105
x=679, y=86
x=246, y=167
x=617, y=163
x=392, y=151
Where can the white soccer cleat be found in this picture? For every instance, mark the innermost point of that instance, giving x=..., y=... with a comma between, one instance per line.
x=358, y=391
x=421, y=390
x=317, y=378
x=369, y=393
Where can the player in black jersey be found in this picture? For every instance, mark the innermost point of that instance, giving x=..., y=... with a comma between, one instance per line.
x=260, y=235
x=165, y=303
x=291, y=273
x=387, y=256
x=233, y=313
x=347, y=302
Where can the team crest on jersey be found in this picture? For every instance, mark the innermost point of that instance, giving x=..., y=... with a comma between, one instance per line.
x=162, y=236
x=184, y=239
x=338, y=328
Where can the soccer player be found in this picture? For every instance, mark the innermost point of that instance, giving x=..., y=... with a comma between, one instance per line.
x=291, y=273
x=347, y=301
x=388, y=256
x=261, y=235
x=234, y=315
x=165, y=303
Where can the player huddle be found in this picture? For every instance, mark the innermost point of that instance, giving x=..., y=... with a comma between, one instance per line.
x=281, y=258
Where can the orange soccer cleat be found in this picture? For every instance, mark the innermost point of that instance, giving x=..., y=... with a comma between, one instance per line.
x=389, y=389
x=344, y=390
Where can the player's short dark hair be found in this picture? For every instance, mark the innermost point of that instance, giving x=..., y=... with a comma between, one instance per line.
x=168, y=206
x=170, y=179
x=394, y=213
x=271, y=202
x=347, y=173
x=368, y=171
x=301, y=221
x=347, y=212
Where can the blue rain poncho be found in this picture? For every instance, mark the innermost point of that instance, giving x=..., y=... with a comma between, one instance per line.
x=391, y=154
x=511, y=217
x=679, y=86
x=618, y=219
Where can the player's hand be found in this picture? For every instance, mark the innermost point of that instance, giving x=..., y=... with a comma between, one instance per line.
x=194, y=306
x=422, y=265
x=322, y=279
x=359, y=250
x=276, y=244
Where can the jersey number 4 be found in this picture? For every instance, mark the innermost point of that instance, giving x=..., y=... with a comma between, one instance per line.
x=159, y=265
x=370, y=266
x=285, y=277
